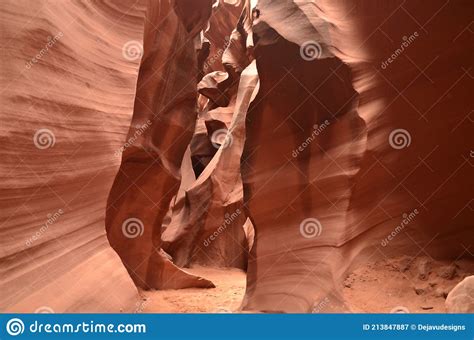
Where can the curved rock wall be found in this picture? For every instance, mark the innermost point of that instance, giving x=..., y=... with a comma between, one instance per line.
x=355, y=147
x=207, y=225
x=67, y=101
x=207, y=221
x=334, y=176
x=162, y=127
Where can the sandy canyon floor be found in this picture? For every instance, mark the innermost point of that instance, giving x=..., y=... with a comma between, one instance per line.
x=418, y=286
x=225, y=298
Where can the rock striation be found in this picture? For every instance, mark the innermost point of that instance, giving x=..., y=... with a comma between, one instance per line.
x=67, y=101
x=294, y=139
x=207, y=222
x=162, y=126
x=355, y=144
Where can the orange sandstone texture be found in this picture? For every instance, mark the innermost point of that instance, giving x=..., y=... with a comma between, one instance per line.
x=342, y=145
x=318, y=135
x=207, y=220
x=165, y=113
x=67, y=101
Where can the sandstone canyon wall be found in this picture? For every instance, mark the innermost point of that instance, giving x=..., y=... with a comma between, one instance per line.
x=206, y=225
x=138, y=138
x=163, y=123
x=71, y=80
x=67, y=101
x=343, y=146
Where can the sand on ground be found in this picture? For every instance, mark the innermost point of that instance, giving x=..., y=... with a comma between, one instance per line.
x=398, y=285
x=225, y=298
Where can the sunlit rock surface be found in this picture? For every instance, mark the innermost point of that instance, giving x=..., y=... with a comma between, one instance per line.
x=67, y=102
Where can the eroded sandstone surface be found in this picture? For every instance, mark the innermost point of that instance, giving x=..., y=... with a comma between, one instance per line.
x=387, y=143
x=165, y=113
x=301, y=141
x=67, y=101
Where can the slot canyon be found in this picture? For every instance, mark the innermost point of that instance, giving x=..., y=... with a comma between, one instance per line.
x=237, y=156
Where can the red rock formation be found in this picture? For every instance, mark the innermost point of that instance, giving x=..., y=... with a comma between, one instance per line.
x=208, y=226
x=329, y=172
x=207, y=221
x=165, y=113
x=67, y=100
x=349, y=122
x=224, y=19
